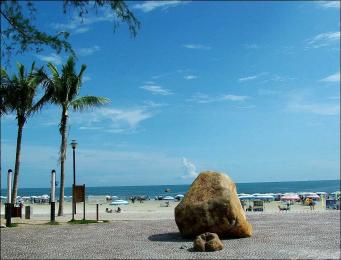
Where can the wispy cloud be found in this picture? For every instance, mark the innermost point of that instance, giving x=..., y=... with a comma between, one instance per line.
x=112, y=120
x=323, y=40
x=329, y=4
x=86, y=78
x=152, y=104
x=196, y=46
x=53, y=58
x=204, y=98
x=189, y=77
x=325, y=109
x=88, y=51
x=157, y=90
x=81, y=30
x=78, y=25
x=332, y=78
x=190, y=169
x=149, y=6
x=252, y=46
x=305, y=101
x=39, y=159
x=249, y=78
x=234, y=98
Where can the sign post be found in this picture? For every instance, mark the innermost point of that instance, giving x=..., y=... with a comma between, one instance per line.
x=79, y=196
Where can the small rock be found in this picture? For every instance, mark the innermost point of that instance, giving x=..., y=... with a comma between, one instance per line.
x=208, y=242
x=199, y=244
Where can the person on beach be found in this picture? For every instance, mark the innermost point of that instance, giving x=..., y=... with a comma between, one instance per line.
x=311, y=204
x=118, y=210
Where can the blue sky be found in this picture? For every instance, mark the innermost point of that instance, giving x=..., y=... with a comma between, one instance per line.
x=246, y=88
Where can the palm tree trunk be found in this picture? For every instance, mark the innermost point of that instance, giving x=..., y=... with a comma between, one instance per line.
x=21, y=123
x=63, y=132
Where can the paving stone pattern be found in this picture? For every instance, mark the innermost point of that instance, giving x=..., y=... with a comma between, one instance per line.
x=276, y=236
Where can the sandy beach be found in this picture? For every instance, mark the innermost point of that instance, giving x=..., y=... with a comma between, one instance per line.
x=148, y=210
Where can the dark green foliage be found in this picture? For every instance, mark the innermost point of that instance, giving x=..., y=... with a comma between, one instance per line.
x=63, y=89
x=20, y=35
x=13, y=225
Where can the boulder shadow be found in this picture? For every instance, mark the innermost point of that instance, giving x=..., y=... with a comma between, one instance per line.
x=169, y=237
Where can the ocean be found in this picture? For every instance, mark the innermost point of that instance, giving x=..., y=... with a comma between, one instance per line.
x=156, y=190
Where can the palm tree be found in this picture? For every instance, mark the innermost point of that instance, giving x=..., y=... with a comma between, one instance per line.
x=63, y=90
x=18, y=95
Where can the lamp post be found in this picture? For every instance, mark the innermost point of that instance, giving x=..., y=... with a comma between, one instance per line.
x=74, y=145
x=53, y=197
x=9, y=205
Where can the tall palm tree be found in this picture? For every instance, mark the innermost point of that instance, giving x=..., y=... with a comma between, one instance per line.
x=18, y=95
x=63, y=90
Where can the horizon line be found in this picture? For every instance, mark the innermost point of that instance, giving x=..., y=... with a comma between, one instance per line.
x=178, y=184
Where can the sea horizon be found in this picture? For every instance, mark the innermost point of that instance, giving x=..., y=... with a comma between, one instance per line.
x=156, y=190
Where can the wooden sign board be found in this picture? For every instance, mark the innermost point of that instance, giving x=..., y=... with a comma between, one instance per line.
x=79, y=193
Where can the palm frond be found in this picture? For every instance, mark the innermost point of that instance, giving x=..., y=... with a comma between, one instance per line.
x=88, y=101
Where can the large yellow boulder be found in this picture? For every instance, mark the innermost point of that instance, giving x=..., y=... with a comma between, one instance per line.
x=212, y=205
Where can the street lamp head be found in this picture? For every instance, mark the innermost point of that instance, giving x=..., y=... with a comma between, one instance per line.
x=10, y=170
x=53, y=171
x=73, y=144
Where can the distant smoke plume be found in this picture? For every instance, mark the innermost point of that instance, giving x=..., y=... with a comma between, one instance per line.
x=190, y=169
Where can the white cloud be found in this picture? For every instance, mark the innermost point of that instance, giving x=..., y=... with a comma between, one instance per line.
x=139, y=167
x=334, y=97
x=157, y=90
x=53, y=58
x=78, y=25
x=189, y=77
x=248, y=78
x=204, y=98
x=88, y=51
x=324, y=109
x=234, y=98
x=190, y=169
x=305, y=101
x=111, y=119
x=252, y=77
x=197, y=46
x=332, y=78
x=329, y=4
x=252, y=46
x=86, y=78
x=149, y=6
x=152, y=104
x=323, y=39
x=81, y=30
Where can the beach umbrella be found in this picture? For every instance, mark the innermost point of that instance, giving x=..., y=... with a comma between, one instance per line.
x=321, y=193
x=180, y=196
x=264, y=197
x=336, y=194
x=119, y=202
x=290, y=197
x=313, y=196
x=247, y=197
x=243, y=194
x=168, y=198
